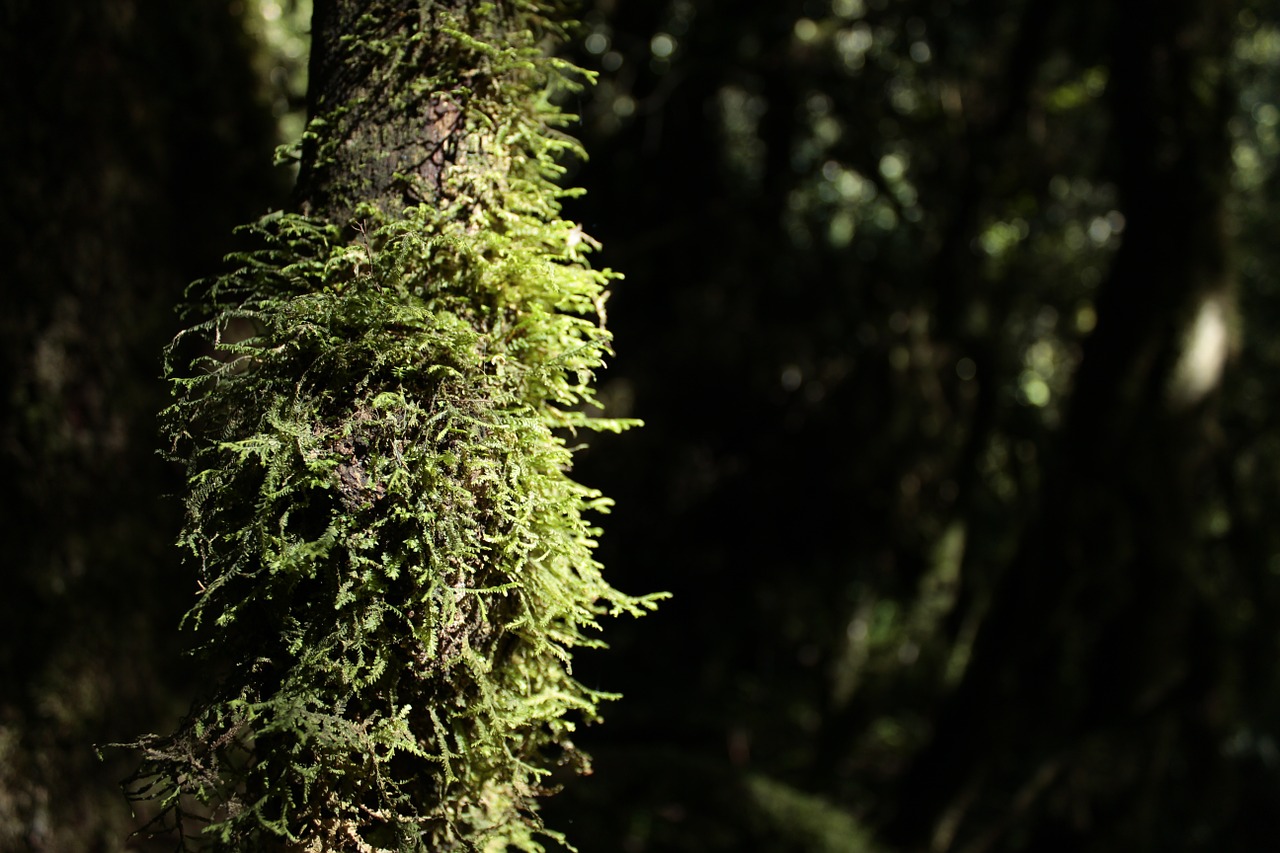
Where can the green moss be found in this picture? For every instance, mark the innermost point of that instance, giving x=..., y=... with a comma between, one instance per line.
x=392, y=555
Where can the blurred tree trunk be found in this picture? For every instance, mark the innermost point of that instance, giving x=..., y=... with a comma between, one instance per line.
x=1099, y=645
x=131, y=135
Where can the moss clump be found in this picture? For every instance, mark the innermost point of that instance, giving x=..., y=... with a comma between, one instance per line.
x=392, y=556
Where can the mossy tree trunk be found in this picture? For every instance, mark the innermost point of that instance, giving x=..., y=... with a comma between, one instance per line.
x=392, y=557
x=390, y=142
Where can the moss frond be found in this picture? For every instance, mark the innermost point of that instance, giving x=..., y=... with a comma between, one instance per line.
x=393, y=558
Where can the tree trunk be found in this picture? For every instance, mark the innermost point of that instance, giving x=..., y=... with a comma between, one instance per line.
x=391, y=137
x=99, y=227
x=1072, y=674
x=392, y=557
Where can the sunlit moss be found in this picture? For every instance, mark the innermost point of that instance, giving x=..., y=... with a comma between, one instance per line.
x=391, y=556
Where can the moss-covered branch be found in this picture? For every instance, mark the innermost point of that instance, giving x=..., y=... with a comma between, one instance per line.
x=392, y=557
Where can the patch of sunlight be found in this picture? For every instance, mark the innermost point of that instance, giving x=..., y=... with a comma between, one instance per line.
x=1076, y=93
x=810, y=821
x=841, y=228
x=806, y=30
x=999, y=237
x=662, y=45
x=849, y=8
x=1206, y=345
x=852, y=45
x=1034, y=389
x=1086, y=318
x=893, y=167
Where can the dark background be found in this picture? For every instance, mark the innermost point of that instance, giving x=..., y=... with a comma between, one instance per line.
x=965, y=555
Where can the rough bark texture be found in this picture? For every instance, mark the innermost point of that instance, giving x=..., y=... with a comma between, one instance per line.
x=387, y=138
x=391, y=552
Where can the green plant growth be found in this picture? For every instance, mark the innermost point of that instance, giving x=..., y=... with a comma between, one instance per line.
x=394, y=565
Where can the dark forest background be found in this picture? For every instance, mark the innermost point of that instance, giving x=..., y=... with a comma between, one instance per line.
x=954, y=326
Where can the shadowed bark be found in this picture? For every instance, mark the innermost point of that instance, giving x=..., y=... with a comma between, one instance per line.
x=388, y=136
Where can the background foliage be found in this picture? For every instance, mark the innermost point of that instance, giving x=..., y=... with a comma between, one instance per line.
x=134, y=138
x=867, y=247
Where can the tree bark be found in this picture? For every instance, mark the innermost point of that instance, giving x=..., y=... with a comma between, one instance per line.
x=392, y=555
x=387, y=137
